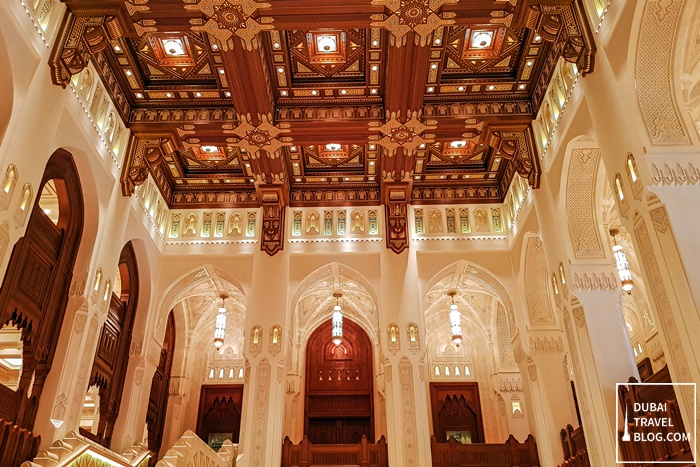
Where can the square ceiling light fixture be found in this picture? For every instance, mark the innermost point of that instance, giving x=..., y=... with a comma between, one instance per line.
x=172, y=50
x=482, y=42
x=209, y=153
x=326, y=46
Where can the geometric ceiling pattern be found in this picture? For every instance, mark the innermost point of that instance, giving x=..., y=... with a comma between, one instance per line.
x=294, y=100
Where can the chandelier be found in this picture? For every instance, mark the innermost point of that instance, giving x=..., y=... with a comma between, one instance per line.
x=455, y=320
x=623, y=267
x=337, y=333
x=220, y=331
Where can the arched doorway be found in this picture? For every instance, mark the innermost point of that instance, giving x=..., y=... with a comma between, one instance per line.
x=158, y=397
x=34, y=292
x=112, y=354
x=339, y=386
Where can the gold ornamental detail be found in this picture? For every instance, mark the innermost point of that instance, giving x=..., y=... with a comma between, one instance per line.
x=420, y=16
x=264, y=136
x=408, y=135
x=227, y=18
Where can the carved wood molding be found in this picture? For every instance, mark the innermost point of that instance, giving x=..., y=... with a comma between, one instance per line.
x=396, y=198
x=273, y=199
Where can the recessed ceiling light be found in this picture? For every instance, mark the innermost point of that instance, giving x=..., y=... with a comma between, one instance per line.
x=333, y=147
x=198, y=94
x=293, y=148
x=174, y=47
x=481, y=39
x=461, y=88
x=327, y=43
x=215, y=46
x=372, y=147
x=343, y=91
x=375, y=67
x=433, y=66
x=347, y=179
x=276, y=45
x=538, y=38
x=438, y=41
x=458, y=144
x=139, y=95
x=314, y=92
x=209, y=149
x=128, y=73
x=373, y=91
x=521, y=87
x=284, y=93
x=492, y=87
x=169, y=94
x=280, y=70
x=117, y=49
x=422, y=146
x=528, y=63
x=431, y=89
x=221, y=71
x=371, y=162
x=298, y=180
x=228, y=94
x=375, y=43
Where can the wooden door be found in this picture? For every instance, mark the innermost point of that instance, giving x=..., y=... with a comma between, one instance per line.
x=219, y=414
x=339, y=385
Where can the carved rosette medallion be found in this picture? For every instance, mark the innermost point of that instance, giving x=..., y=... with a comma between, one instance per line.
x=264, y=136
x=227, y=18
x=408, y=135
x=419, y=16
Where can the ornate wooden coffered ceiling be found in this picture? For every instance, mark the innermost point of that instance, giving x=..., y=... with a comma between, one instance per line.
x=285, y=102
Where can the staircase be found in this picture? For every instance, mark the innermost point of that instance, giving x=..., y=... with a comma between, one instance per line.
x=191, y=450
x=76, y=451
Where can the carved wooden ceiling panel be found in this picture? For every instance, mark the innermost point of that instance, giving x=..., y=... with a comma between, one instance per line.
x=353, y=102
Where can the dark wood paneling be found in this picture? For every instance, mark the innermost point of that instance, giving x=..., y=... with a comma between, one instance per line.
x=220, y=408
x=34, y=292
x=158, y=397
x=339, y=385
x=456, y=407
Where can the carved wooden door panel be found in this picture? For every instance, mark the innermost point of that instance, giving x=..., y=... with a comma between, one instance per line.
x=456, y=411
x=36, y=286
x=219, y=414
x=339, y=386
x=158, y=397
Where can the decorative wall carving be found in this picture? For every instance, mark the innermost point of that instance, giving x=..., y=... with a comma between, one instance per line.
x=511, y=384
x=413, y=337
x=663, y=305
x=654, y=72
x=256, y=339
x=275, y=344
x=546, y=344
x=581, y=203
x=261, y=404
x=396, y=214
x=537, y=284
x=393, y=338
x=677, y=174
x=410, y=439
x=272, y=236
x=595, y=281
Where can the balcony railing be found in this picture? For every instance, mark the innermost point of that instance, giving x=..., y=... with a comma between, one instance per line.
x=509, y=454
x=573, y=443
x=363, y=454
x=668, y=422
x=16, y=444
